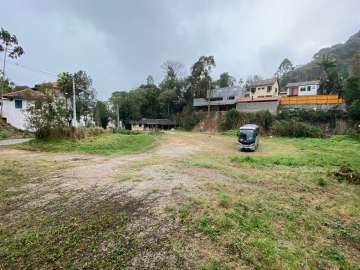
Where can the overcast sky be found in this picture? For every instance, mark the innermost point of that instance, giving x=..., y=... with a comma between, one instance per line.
x=120, y=42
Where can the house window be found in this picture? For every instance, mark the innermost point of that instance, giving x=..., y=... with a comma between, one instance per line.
x=269, y=88
x=216, y=99
x=231, y=97
x=302, y=89
x=309, y=88
x=253, y=90
x=18, y=104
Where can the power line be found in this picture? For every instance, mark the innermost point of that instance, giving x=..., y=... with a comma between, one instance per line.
x=31, y=68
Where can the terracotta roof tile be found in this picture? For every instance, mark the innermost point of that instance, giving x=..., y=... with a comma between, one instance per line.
x=27, y=94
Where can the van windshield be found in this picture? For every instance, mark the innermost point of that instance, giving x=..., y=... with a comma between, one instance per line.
x=247, y=135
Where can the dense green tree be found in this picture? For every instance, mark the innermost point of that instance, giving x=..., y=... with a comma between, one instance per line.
x=84, y=93
x=285, y=67
x=126, y=105
x=173, y=89
x=355, y=65
x=6, y=85
x=225, y=80
x=102, y=114
x=352, y=89
x=201, y=81
x=9, y=45
x=330, y=80
x=150, y=80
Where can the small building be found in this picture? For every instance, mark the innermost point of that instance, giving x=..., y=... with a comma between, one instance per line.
x=250, y=104
x=152, y=124
x=308, y=88
x=221, y=99
x=14, y=106
x=263, y=88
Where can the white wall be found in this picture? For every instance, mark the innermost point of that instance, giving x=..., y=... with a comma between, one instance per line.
x=313, y=90
x=15, y=117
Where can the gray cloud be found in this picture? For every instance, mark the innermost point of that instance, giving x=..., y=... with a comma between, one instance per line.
x=119, y=43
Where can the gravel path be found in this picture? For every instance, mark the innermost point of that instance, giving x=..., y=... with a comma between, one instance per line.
x=14, y=141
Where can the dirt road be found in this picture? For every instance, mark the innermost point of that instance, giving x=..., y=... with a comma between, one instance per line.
x=158, y=180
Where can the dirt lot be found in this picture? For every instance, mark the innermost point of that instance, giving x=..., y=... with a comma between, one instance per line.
x=188, y=204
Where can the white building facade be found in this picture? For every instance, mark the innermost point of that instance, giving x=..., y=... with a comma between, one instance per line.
x=309, y=88
x=14, y=107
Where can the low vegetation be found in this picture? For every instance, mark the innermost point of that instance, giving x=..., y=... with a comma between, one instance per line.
x=283, y=207
x=9, y=132
x=62, y=232
x=293, y=204
x=4, y=134
x=105, y=144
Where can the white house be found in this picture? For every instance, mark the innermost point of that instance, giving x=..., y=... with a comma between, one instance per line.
x=308, y=88
x=14, y=106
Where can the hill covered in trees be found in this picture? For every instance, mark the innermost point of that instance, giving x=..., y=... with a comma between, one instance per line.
x=343, y=53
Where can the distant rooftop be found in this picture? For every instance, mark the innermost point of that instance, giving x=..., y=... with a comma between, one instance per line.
x=295, y=84
x=149, y=121
x=262, y=82
x=227, y=92
x=27, y=94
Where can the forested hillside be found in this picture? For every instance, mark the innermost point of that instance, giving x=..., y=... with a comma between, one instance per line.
x=343, y=53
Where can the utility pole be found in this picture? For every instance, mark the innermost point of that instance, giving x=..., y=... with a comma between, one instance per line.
x=3, y=80
x=117, y=116
x=209, y=97
x=74, y=122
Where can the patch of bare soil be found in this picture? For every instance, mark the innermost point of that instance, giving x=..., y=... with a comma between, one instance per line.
x=158, y=186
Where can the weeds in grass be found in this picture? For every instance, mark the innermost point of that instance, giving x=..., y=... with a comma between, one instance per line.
x=322, y=182
x=215, y=265
x=105, y=144
x=225, y=200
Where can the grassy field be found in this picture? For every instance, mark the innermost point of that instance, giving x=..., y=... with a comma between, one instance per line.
x=284, y=210
x=105, y=144
x=278, y=208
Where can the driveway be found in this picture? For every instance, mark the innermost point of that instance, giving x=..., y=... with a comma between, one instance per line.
x=14, y=141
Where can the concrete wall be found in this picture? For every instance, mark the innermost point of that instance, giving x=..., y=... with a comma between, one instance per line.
x=270, y=106
x=313, y=107
x=15, y=117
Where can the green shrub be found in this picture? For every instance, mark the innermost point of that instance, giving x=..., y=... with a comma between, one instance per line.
x=292, y=128
x=4, y=134
x=188, y=119
x=225, y=201
x=232, y=132
x=322, y=182
x=67, y=133
x=231, y=120
x=322, y=117
x=234, y=119
x=127, y=131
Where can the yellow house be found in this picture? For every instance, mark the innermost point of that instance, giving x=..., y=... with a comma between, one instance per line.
x=263, y=88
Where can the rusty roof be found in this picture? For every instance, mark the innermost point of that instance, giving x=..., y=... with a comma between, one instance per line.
x=262, y=82
x=27, y=94
x=295, y=84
